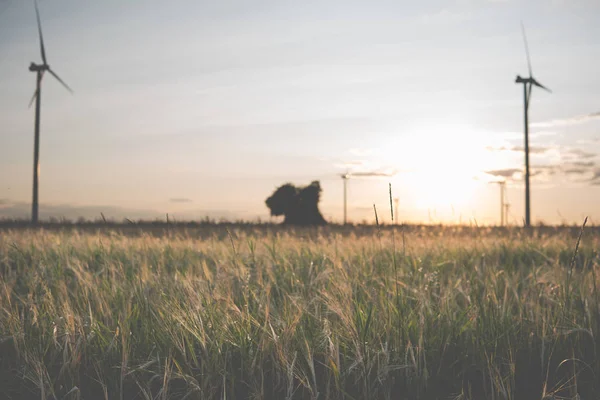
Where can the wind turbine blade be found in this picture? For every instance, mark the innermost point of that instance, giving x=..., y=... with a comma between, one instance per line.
x=60, y=80
x=37, y=90
x=35, y=94
x=526, y=49
x=528, y=95
x=42, y=49
x=536, y=83
x=374, y=173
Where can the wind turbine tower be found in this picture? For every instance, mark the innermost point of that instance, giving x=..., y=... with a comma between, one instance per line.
x=345, y=178
x=506, y=212
x=528, y=83
x=39, y=69
x=502, y=185
x=503, y=204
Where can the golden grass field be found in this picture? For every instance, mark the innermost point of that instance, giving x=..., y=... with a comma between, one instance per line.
x=264, y=312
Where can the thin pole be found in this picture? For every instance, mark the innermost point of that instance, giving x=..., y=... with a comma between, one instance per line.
x=36, y=151
x=527, y=193
x=502, y=204
x=345, y=177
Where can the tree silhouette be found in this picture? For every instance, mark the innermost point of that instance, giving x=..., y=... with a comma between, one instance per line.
x=298, y=205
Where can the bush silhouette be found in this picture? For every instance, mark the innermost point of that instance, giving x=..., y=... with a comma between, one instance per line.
x=298, y=205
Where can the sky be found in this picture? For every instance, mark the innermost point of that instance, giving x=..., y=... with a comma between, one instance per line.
x=200, y=108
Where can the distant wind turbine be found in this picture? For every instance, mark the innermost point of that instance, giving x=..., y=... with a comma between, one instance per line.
x=39, y=69
x=503, y=204
x=528, y=83
x=345, y=178
x=348, y=175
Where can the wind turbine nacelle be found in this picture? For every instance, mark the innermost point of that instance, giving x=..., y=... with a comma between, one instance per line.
x=33, y=67
x=522, y=80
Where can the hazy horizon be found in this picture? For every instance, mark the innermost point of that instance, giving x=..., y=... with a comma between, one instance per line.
x=195, y=108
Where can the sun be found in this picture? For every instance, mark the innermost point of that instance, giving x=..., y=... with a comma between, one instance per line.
x=441, y=165
x=442, y=191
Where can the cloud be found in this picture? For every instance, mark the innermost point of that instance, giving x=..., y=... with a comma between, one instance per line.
x=504, y=173
x=579, y=119
x=575, y=171
x=547, y=167
x=533, y=149
x=578, y=153
x=587, y=164
x=542, y=172
x=521, y=149
x=589, y=141
x=575, y=166
x=180, y=200
x=365, y=168
x=567, y=154
x=388, y=173
x=595, y=179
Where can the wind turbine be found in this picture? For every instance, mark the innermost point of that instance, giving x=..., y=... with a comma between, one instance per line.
x=528, y=83
x=503, y=204
x=39, y=69
x=345, y=178
x=348, y=175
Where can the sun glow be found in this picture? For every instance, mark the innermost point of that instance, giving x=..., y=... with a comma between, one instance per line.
x=442, y=166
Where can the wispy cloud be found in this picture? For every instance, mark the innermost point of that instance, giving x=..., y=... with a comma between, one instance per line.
x=576, y=153
x=575, y=171
x=582, y=172
x=568, y=154
x=504, y=173
x=366, y=169
x=587, y=164
x=592, y=178
x=579, y=119
x=533, y=149
x=520, y=149
x=595, y=179
x=388, y=173
x=180, y=200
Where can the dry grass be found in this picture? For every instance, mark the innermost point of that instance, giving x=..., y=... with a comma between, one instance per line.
x=327, y=314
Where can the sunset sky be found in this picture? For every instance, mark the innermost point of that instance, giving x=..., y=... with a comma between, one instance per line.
x=202, y=108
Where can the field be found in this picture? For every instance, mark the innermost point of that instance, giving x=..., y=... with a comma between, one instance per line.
x=260, y=312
